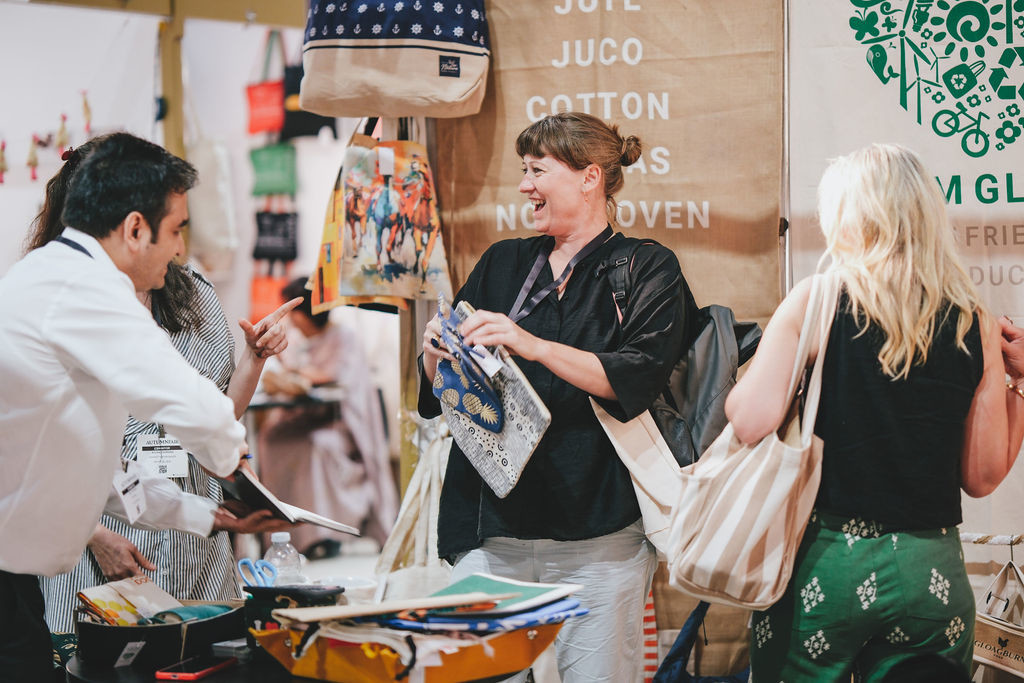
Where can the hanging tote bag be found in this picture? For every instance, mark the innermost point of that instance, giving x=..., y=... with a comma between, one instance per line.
x=277, y=231
x=266, y=97
x=268, y=279
x=1004, y=598
x=743, y=508
x=298, y=122
x=274, y=169
x=411, y=58
x=213, y=230
x=408, y=564
x=999, y=628
x=384, y=210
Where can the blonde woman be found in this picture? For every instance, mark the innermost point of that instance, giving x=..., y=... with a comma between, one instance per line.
x=914, y=408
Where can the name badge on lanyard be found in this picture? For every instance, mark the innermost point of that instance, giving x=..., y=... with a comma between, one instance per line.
x=129, y=490
x=163, y=454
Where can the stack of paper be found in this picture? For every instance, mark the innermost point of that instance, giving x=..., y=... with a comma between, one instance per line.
x=127, y=601
x=483, y=627
x=480, y=603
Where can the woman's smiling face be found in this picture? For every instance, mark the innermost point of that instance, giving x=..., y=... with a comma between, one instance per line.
x=556, y=192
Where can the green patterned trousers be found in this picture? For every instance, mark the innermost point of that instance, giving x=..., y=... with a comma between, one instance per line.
x=862, y=600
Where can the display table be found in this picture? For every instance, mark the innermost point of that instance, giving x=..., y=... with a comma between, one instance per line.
x=255, y=671
x=258, y=670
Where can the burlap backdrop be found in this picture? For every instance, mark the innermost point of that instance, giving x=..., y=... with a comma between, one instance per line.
x=855, y=80
x=699, y=82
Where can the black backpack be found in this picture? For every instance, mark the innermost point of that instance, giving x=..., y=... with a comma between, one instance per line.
x=690, y=411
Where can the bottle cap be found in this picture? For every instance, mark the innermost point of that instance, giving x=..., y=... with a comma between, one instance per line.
x=280, y=537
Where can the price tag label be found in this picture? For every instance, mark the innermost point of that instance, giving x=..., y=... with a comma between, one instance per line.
x=129, y=653
x=163, y=454
x=488, y=363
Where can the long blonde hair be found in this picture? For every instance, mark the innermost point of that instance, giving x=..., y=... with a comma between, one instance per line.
x=887, y=231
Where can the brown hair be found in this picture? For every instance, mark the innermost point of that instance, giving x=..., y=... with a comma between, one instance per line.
x=47, y=225
x=578, y=140
x=297, y=287
x=176, y=302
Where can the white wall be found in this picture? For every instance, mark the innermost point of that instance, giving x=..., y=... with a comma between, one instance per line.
x=50, y=54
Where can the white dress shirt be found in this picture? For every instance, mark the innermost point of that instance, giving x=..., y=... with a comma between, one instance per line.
x=167, y=506
x=78, y=353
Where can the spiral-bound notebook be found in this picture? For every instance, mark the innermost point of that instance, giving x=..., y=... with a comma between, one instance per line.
x=499, y=456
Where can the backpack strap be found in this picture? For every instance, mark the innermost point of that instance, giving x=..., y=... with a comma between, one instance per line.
x=618, y=269
x=618, y=278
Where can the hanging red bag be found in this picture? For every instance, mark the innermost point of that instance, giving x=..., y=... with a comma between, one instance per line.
x=266, y=98
x=265, y=289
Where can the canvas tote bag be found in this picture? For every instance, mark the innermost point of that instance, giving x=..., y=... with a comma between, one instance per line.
x=999, y=627
x=743, y=508
x=1004, y=598
x=213, y=229
x=657, y=477
x=266, y=97
x=707, y=375
x=408, y=565
x=411, y=58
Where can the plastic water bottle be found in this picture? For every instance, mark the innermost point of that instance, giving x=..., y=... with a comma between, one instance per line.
x=283, y=555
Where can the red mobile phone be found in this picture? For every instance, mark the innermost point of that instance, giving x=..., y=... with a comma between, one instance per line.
x=195, y=668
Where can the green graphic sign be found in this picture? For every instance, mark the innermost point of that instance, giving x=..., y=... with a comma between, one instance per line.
x=957, y=65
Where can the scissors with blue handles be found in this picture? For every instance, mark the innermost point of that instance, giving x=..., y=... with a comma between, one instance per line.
x=257, y=572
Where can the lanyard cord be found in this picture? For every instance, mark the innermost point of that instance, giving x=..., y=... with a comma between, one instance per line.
x=73, y=244
x=519, y=310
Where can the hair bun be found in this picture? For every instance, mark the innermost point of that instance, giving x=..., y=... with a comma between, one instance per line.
x=630, y=150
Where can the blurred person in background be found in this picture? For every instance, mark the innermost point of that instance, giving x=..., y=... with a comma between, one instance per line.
x=331, y=458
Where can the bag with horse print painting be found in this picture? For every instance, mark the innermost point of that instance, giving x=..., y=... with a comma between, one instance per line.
x=384, y=208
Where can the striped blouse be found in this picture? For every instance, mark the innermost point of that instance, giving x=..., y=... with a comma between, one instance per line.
x=188, y=567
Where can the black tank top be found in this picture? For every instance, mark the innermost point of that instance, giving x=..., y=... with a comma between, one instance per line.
x=892, y=447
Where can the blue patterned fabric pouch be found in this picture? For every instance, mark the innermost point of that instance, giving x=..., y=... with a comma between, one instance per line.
x=462, y=385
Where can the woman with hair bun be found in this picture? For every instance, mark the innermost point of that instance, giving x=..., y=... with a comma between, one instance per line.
x=573, y=517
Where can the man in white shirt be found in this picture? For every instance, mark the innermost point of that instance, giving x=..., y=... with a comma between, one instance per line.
x=79, y=353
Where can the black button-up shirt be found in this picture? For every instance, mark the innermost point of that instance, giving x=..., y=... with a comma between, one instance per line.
x=574, y=486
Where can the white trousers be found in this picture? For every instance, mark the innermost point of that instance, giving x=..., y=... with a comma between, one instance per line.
x=616, y=573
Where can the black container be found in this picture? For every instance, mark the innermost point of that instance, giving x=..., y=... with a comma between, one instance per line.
x=165, y=644
x=263, y=600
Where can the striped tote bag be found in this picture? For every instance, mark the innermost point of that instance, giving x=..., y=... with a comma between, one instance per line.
x=743, y=508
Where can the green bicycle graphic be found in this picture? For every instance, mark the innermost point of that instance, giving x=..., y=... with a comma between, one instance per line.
x=956, y=64
x=948, y=122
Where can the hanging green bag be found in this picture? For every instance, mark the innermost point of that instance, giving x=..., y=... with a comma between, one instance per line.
x=273, y=169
